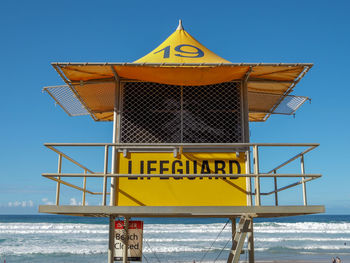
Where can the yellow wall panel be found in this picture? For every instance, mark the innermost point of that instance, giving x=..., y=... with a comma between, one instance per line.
x=167, y=191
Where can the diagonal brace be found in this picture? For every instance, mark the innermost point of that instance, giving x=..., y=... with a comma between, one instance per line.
x=238, y=241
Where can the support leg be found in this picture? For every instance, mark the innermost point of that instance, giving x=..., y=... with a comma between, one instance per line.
x=126, y=239
x=111, y=240
x=251, y=242
x=233, y=232
x=233, y=227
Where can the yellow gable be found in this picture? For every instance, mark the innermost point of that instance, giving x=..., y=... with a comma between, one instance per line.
x=181, y=47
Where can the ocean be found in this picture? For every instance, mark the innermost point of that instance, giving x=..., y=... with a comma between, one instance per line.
x=51, y=238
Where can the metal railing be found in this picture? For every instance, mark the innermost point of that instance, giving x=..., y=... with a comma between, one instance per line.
x=248, y=148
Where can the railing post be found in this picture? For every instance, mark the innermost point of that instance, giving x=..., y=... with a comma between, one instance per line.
x=303, y=184
x=275, y=183
x=248, y=179
x=58, y=188
x=105, y=171
x=84, y=188
x=116, y=137
x=256, y=172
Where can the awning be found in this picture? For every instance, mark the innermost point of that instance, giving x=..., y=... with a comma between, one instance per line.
x=179, y=60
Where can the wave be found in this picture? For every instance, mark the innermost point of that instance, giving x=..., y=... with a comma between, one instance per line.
x=102, y=249
x=257, y=239
x=91, y=239
x=300, y=238
x=304, y=250
x=190, y=228
x=43, y=228
x=32, y=250
x=304, y=225
x=48, y=226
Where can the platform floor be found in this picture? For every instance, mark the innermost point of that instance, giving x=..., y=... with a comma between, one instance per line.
x=182, y=211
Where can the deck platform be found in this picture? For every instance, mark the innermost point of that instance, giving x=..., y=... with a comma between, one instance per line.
x=182, y=211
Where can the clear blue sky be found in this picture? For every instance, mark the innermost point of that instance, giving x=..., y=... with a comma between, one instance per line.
x=35, y=33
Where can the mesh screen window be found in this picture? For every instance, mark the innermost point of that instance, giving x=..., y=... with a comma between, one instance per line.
x=159, y=113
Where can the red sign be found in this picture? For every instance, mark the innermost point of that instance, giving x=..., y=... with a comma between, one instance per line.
x=132, y=224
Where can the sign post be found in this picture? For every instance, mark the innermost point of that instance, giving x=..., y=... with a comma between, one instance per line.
x=134, y=240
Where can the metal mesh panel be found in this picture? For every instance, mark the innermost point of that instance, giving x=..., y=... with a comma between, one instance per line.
x=266, y=102
x=290, y=104
x=201, y=106
x=66, y=98
x=151, y=113
x=158, y=113
x=212, y=113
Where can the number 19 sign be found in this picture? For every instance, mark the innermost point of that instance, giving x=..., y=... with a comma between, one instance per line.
x=134, y=239
x=183, y=50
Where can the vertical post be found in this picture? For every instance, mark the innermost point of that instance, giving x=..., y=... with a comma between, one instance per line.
x=251, y=241
x=256, y=172
x=245, y=128
x=248, y=179
x=276, y=193
x=245, y=106
x=114, y=168
x=105, y=171
x=84, y=188
x=111, y=239
x=58, y=188
x=233, y=230
x=303, y=178
x=116, y=129
x=114, y=161
x=125, y=241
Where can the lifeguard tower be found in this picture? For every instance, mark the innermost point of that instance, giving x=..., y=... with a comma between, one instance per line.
x=181, y=138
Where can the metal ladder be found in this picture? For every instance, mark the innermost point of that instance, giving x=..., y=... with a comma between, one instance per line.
x=245, y=226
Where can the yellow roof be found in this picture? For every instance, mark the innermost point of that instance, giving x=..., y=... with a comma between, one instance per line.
x=181, y=47
x=180, y=60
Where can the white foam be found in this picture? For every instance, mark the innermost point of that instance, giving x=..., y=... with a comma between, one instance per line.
x=61, y=249
x=306, y=227
x=43, y=228
x=69, y=238
x=300, y=238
